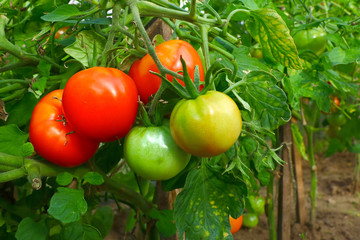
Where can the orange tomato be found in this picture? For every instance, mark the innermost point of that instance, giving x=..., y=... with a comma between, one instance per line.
x=235, y=223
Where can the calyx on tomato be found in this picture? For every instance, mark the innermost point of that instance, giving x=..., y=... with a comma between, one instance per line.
x=52, y=136
x=311, y=39
x=152, y=153
x=101, y=103
x=207, y=125
x=169, y=54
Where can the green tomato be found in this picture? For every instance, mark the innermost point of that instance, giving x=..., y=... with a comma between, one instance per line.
x=152, y=153
x=206, y=126
x=311, y=39
x=256, y=53
x=250, y=220
x=336, y=119
x=257, y=204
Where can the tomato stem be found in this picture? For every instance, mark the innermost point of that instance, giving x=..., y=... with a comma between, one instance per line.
x=12, y=175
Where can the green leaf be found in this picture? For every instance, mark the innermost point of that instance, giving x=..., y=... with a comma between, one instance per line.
x=61, y=13
x=165, y=223
x=86, y=45
x=339, y=56
x=27, y=149
x=29, y=229
x=94, y=178
x=40, y=84
x=270, y=31
x=64, y=178
x=12, y=140
x=80, y=231
x=20, y=113
x=298, y=140
x=103, y=220
x=268, y=102
x=202, y=208
x=305, y=85
x=68, y=205
x=108, y=155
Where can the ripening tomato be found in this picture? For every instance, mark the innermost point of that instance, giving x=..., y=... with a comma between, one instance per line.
x=61, y=33
x=206, y=126
x=101, y=103
x=169, y=53
x=311, y=39
x=235, y=223
x=152, y=153
x=53, y=138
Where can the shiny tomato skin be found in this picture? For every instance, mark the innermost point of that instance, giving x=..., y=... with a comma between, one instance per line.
x=169, y=53
x=152, y=153
x=235, y=224
x=53, y=138
x=61, y=33
x=206, y=126
x=250, y=220
x=101, y=103
x=311, y=39
x=257, y=204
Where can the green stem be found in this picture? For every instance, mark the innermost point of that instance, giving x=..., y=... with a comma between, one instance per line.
x=10, y=160
x=192, y=13
x=4, y=168
x=11, y=88
x=15, y=66
x=224, y=29
x=110, y=40
x=233, y=86
x=12, y=175
x=270, y=209
x=204, y=29
x=310, y=148
x=2, y=81
x=150, y=9
x=16, y=94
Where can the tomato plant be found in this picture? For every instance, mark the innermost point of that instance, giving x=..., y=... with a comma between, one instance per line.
x=206, y=126
x=101, y=103
x=152, y=153
x=169, y=54
x=311, y=39
x=52, y=136
x=250, y=220
x=235, y=223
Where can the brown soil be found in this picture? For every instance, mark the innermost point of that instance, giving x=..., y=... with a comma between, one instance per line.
x=338, y=210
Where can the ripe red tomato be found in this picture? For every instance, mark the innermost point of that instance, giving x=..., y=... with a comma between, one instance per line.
x=152, y=153
x=53, y=138
x=206, y=126
x=235, y=223
x=101, y=103
x=61, y=33
x=169, y=53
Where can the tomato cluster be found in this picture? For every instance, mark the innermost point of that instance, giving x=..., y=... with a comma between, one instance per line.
x=97, y=105
x=100, y=104
x=254, y=210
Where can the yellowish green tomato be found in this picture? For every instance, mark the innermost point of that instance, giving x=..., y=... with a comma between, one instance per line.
x=207, y=125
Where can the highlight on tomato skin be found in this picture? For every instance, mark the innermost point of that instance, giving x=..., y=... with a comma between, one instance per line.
x=169, y=54
x=52, y=136
x=101, y=103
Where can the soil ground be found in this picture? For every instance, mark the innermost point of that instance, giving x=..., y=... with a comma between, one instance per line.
x=338, y=210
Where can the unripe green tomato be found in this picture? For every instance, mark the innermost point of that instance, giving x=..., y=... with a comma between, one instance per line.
x=152, y=153
x=207, y=125
x=256, y=53
x=257, y=204
x=250, y=220
x=337, y=119
x=311, y=39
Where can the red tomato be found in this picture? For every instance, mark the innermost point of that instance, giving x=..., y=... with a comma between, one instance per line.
x=53, y=138
x=169, y=53
x=235, y=223
x=101, y=103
